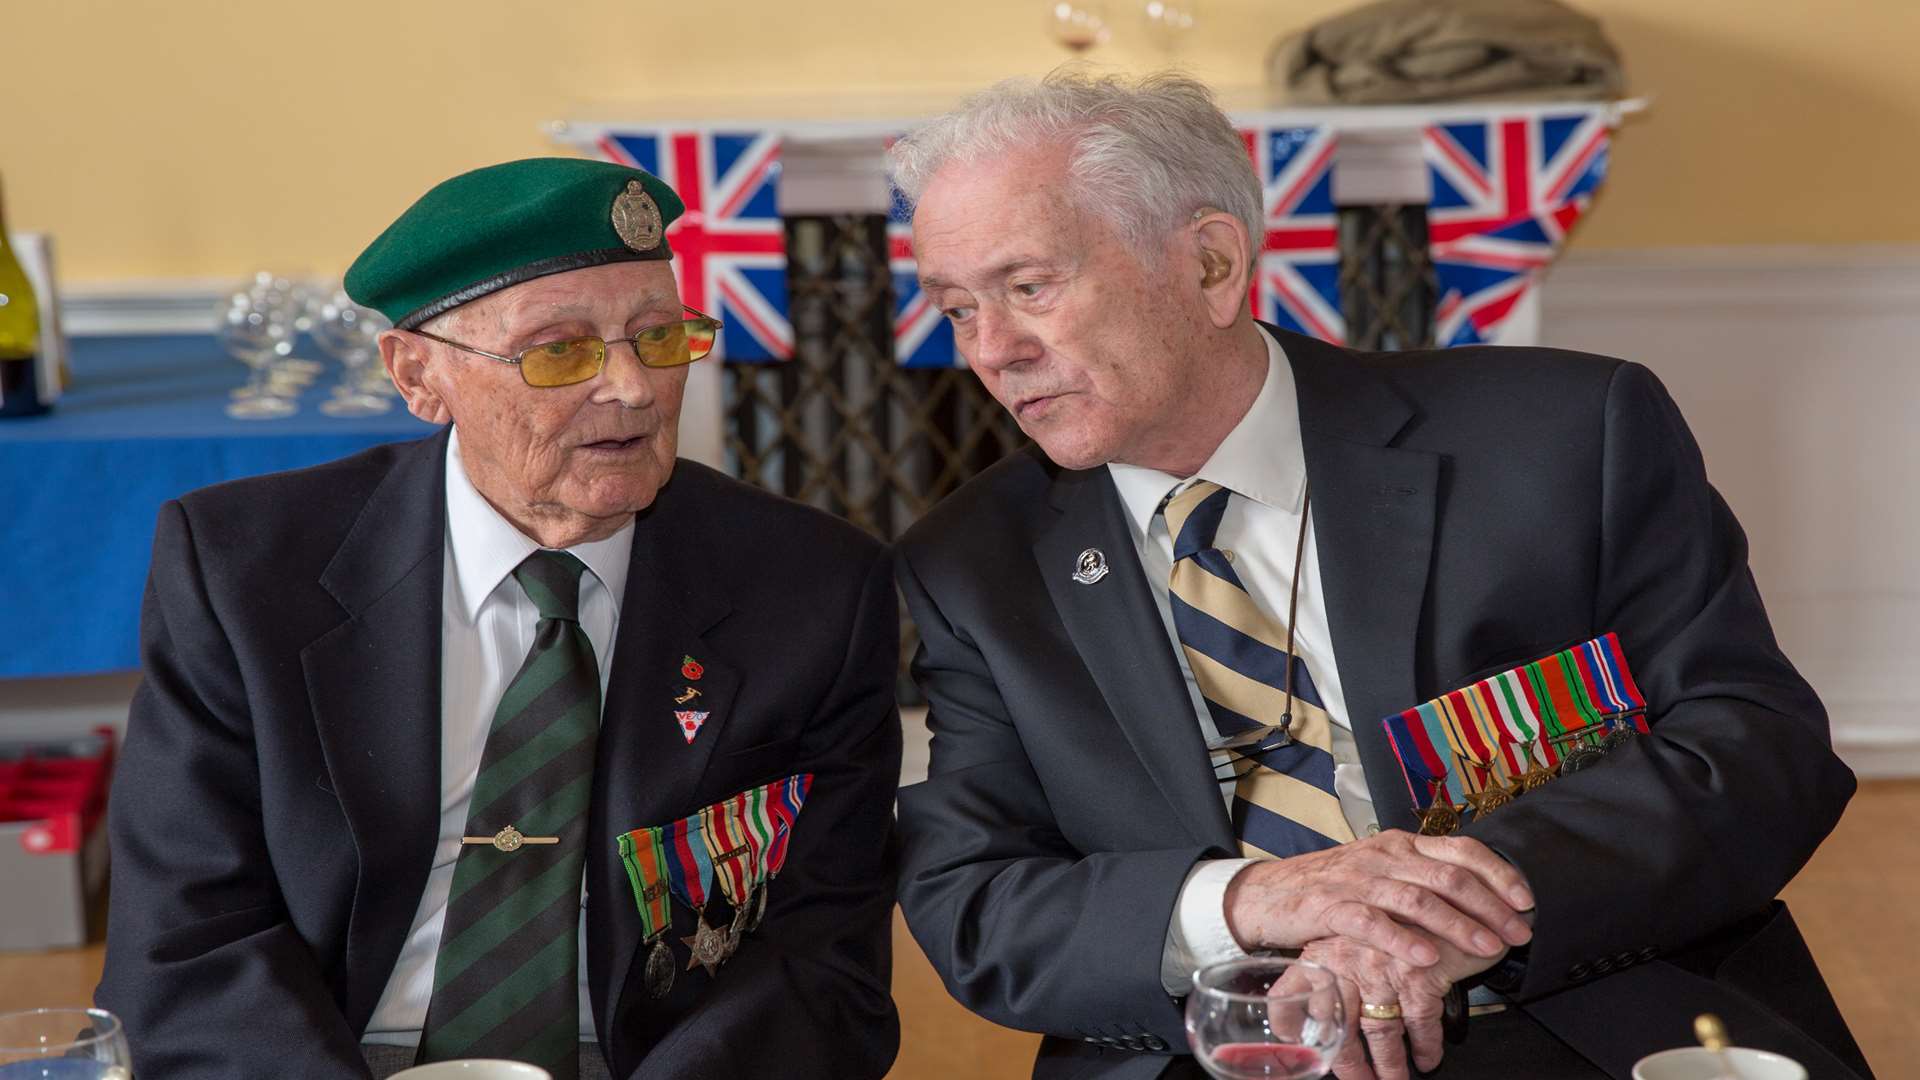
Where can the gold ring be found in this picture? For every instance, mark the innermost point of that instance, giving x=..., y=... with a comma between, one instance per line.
x=1389, y=1011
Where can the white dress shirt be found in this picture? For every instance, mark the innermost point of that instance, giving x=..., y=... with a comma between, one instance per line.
x=1263, y=463
x=486, y=629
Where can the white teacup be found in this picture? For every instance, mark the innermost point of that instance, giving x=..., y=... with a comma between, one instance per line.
x=1697, y=1063
x=485, y=1070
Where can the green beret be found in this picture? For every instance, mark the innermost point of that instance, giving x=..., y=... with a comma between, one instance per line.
x=498, y=226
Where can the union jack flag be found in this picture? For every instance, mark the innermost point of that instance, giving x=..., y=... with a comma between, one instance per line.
x=1298, y=287
x=922, y=336
x=1506, y=191
x=729, y=248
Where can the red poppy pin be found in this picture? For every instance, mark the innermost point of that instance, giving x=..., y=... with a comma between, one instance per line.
x=692, y=669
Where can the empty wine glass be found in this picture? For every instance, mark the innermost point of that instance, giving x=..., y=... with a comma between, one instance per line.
x=1170, y=22
x=1265, y=1017
x=1078, y=24
x=256, y=334
x=295, y=302
x=63, y=1044
x=350, y=334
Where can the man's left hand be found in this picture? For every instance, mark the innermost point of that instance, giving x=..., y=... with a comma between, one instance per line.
x=1374, y=977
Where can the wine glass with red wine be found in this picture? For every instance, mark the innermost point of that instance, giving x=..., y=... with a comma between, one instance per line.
x=1266, y=1017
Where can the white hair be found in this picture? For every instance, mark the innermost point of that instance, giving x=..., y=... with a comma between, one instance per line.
x=1143, y=154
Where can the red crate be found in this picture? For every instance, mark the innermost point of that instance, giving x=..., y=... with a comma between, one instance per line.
x=52, y=846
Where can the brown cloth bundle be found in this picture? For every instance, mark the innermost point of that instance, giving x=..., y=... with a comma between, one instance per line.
x=1448, y=50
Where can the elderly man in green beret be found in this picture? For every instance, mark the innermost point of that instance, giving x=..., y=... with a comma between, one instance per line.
x=525, y=741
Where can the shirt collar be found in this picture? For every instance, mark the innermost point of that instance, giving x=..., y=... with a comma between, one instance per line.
x=1260, y=459
x=486, y=546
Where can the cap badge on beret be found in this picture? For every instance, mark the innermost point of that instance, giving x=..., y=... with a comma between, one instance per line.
x=636, y=218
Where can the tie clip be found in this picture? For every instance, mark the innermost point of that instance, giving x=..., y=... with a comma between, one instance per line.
x=509, y=839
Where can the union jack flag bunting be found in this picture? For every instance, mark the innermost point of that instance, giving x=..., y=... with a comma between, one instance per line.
x=1298, y=287
x=922, y=336
x=1506, y=190
x=730, y=247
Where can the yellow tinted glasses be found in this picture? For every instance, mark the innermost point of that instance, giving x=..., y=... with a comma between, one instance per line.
x=577, y=359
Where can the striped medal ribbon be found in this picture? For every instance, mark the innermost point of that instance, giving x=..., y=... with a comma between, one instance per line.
x=1483, y=745
x=644, y=853
x=690, y=871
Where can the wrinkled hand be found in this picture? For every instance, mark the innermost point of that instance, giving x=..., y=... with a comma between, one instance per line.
x=1369, y=975
x=1402, y=895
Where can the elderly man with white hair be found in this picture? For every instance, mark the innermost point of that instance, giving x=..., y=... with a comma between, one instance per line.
x=523, y=741
x=1161, y=644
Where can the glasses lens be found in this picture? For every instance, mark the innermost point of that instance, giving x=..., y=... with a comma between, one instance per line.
x=701, y=333
x=563, y=363
x=675, y=343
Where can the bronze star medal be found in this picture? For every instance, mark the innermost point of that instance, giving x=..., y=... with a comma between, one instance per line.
x=636, y=218
x=1440, y=817
x=1489, y=798
x=707, y=947
x=1536, y=775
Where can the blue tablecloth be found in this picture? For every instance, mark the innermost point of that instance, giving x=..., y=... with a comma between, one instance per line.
x=80, y=488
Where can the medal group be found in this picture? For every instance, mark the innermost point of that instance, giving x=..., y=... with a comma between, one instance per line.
x=1480, y=747
x=737, y=846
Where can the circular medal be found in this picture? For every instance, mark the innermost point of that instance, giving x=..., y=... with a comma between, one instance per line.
x=1622, y=733
x=659, y=969
x=1580, y=757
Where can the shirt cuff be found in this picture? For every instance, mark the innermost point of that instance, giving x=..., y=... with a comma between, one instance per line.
x=1198, y=934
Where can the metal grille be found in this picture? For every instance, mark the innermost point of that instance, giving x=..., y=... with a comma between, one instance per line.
x=1387, y=284
x=842, y=427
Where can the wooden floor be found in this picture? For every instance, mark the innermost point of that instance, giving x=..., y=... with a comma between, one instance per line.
x=1858, y=902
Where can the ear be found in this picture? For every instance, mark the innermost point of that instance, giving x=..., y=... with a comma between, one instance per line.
x=405, y=355
x=1224, y=259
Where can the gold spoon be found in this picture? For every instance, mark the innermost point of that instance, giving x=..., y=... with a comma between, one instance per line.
x=1713, y=1036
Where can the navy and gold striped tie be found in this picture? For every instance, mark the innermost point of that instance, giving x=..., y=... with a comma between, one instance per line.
x=506, y=981
x=1283, y=803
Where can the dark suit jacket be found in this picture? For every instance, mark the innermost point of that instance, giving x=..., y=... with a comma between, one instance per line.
x=1474, y=509
x=277, y=805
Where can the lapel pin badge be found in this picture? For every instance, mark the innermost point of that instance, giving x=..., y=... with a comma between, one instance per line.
x=689, y=723
x=691, y=668
x=685, y=696
x=1090, y=567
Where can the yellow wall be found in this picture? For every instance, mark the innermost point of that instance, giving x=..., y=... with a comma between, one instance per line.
x=204, y=138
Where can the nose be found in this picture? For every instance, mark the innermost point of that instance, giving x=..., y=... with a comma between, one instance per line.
x=624, y=380
x=999, y=340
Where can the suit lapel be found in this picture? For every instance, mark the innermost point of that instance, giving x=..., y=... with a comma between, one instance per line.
x=647, y=772
x=374, y=685
x=1373, y=520
x=1116, y=629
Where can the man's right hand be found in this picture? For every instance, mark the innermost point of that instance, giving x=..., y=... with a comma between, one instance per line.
x=1398, y=893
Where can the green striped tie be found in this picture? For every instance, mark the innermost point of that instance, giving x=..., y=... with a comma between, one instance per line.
x=506, y=983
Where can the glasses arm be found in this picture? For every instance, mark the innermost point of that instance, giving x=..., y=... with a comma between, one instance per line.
x=467, y=348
